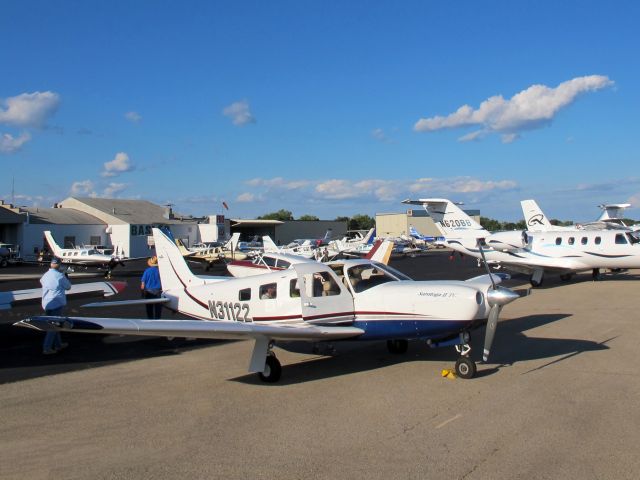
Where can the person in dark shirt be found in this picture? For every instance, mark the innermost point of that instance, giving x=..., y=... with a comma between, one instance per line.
x=152, y=288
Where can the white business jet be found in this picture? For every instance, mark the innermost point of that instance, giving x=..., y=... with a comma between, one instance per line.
x=315, y=302
x=611, y=218
x=564, y=251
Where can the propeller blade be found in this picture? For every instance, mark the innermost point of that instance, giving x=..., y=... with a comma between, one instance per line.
x=484, y=260
x=492, y=325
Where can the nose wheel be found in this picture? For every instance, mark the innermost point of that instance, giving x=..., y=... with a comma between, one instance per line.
x=465, y=367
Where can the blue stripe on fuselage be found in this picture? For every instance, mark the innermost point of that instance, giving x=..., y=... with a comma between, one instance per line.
x=388, y=329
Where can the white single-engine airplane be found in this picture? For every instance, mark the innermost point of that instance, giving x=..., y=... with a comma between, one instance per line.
x=85, y=257
x=564, y=251
x=315, y=302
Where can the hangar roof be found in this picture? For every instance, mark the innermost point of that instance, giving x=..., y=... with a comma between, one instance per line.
x=60, y=216
x=9, y=216
x=119, y=211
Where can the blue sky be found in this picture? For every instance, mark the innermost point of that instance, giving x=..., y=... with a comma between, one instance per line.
x=327, y=108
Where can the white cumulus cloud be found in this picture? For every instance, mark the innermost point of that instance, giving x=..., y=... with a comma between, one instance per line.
x=11, y=144
x=120, y=164
x=531, y=108
x=83, y=187
x=114, y=188
x=245, y=197
x=133, y=117
x=239, y=113
x=29, y=109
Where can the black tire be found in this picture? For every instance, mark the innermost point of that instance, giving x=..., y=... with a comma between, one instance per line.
x=533, y=283
x=272, y=370
x=465, y=368
x=397, y=346
x=4, y=262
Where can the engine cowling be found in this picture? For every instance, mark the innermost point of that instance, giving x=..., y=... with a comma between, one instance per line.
x=507, y=241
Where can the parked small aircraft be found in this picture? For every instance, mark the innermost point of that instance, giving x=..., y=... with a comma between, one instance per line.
x=85, y=257
x=316, y=242
x=560, y=251
x=306, y=249
x=315, y=302
x=273, y=262
x=213, y=255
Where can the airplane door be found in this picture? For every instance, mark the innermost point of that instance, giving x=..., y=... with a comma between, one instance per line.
x=323, y=297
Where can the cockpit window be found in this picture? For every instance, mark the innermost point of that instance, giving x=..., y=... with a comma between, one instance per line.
x=621, y=239
x=366, y=276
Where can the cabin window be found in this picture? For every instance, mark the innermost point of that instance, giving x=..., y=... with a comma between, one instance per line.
x=268, y=291
x=598, y=240
x=283, y=264
x=364, y=277
x=244, y=294
x=572, y=240
x=294, y=290
x=583, y=240
x=558, y=241
x=324, y=285
x=269, y=261
x=632, y=238
x=75, y=254
x=621, y=239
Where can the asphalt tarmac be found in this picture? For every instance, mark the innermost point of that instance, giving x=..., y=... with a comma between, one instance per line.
x=558, y=399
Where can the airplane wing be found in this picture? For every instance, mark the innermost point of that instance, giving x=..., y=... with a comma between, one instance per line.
x=107, y=289
x=190, y=328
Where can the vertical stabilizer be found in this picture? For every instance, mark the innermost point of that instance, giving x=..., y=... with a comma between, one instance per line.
x=174, y=271
x=232, y=244
x=450, y=219
x=534, y=218
x=381, y=252
x=269, y=245
x=55, y=249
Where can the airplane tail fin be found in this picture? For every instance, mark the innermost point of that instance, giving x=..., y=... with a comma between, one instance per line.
x=613, y=211
x=174, y=272
x=450, y=219
x=232, y=244
x=534, y=218
x=381, y=252
x=182, y=249
x=413, y=232
x=269, y=245
x=370, y=236
x=327, y=236
x=55, y=249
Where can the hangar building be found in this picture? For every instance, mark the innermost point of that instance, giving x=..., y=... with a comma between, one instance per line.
x=397, y=224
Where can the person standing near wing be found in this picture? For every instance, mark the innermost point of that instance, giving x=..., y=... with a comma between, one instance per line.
x=54, y=298
x=152, y=288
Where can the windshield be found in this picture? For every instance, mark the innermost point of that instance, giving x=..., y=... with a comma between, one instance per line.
x=366, y=276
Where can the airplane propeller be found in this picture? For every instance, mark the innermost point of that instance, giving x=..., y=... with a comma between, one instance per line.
x=497, y=298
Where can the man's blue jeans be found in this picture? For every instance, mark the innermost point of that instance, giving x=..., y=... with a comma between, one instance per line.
x=52, y=340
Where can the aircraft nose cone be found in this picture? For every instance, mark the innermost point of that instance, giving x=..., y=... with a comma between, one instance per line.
x=501, y=296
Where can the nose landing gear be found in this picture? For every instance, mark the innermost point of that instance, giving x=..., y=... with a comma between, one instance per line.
x=465, y=367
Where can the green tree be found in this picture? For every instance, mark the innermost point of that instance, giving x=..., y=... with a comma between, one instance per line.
x=309, y=218
x=490, y=224
x=282, y=215
x=361, y=222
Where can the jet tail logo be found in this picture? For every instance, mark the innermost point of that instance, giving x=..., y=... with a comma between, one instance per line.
x=536, y=220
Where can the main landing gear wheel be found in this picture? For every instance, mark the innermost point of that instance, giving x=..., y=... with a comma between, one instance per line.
x=535, y=283
x=465, y=368
x=272, y=370
x=397, y=346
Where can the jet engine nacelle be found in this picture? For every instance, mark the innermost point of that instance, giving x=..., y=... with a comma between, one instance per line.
x=507, y=241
